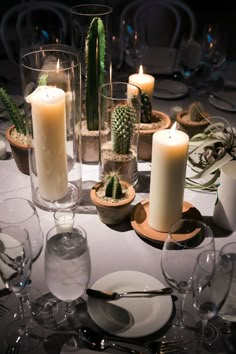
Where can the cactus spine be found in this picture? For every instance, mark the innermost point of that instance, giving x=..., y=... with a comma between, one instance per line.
x=146, y=108
x=95, y=63
x=113, y=186
x=15, y=116
x=122, y=127
x=196, y=112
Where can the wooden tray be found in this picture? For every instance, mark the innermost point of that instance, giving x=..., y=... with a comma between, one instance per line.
x=139, y=222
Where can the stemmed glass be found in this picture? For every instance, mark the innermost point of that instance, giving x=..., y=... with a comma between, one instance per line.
x=185, y=240
x=21, y=211
x=67, y=269
x=228, y=310
x=211, y=283
x=15, y=270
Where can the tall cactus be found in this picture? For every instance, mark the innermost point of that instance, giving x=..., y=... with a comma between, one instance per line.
x=122, y=127
x=196, y=112
x=146, y=108
x=113, y=186
x=95, y=65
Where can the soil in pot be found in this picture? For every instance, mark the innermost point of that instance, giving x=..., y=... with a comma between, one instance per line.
x=159, y=121
x=19, y=147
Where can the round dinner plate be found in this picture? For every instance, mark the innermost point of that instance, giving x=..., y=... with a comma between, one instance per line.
x=170, y=89
x=130, y=317
x=220, y=103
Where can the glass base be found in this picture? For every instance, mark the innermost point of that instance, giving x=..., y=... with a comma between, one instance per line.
x=71, y=199
x=50, y=312
x=27, y=338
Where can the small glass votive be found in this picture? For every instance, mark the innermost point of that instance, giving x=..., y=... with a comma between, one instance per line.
x=3, y=148
x=64, y=219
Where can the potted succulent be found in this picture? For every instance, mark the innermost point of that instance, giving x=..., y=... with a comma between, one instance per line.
x=151, y=121
x=16, y=133
x=194, y=120
x=208, y=152
x=112, y=198
x=95, y=76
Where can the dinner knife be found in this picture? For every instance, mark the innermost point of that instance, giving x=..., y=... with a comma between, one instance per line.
x=116, y=296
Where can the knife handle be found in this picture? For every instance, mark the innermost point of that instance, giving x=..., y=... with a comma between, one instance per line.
x=101, y=294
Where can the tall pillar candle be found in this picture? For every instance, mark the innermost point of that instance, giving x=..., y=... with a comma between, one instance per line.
x=49, y=124
x=145, y=82
x=169, y=159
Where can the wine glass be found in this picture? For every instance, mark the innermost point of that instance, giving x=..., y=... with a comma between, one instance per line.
x=211, y=283
x=67, y=269
x=185, y=240
x=21, y=211
x=15, y=270
x=228, y=310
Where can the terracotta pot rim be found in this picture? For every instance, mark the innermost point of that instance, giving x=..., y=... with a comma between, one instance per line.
x=100, y=202
x=180, y=115
x=151, y=131
x=12, y=141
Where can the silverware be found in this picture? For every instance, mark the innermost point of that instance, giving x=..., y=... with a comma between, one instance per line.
x=13, y=349
x=116, y=296
x=223, y=99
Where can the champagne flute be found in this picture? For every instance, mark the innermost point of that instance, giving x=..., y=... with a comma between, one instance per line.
x=186, y=239
x=15, y=270
x=211, y=283
x=67, y=269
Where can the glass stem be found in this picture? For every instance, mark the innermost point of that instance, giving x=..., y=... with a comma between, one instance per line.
x=202, y=334
x=24, y=305
x=181, y=311
x=69, y=307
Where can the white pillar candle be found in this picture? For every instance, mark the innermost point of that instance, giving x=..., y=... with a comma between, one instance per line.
x=49, y=134
x=169, y=159
x=144, y=81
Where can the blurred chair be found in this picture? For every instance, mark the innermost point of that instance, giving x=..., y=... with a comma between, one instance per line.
x=151, y=32
x=29, y=25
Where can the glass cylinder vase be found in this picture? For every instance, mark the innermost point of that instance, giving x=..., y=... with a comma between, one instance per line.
x=92, y=36
x=119, y=120
x=51, y=89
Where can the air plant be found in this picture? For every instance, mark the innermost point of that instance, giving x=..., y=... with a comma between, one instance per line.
x=208, y=152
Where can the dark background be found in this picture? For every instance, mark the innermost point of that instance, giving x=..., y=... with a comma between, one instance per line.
x=208, y=11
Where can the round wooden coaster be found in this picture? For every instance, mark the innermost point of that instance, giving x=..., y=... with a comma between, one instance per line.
x=139, y=222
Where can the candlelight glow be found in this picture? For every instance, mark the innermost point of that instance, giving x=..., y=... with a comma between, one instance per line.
x=174, y=126
x=141, y=70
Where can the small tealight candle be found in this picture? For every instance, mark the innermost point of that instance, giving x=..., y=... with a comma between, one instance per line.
x=169, y=159
x=145, y=82
x=64, y=219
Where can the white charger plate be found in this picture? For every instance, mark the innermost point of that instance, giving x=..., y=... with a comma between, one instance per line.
x=130, y=317
x=220, y=103
x=170, y=89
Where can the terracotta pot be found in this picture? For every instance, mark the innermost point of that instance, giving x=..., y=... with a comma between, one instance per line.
x=113, y=213
x=19, y=152
x=159, y=121
x=190, y=127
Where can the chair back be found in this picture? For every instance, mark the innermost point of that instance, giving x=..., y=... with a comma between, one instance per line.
x=30, y=25
x=157, y=27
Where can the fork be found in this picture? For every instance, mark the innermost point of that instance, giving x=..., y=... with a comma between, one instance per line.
x=3, y=310
x=13, y=349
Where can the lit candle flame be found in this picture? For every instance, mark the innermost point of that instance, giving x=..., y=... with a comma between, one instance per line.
x=58, y=65
x=174, y=126
x=141, y=70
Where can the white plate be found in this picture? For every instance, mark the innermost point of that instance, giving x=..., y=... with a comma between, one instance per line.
x=170, y=89
x=130, y=317
x=220, y=104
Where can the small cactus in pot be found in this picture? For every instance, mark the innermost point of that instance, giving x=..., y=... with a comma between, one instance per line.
x=112, y=198
x=196, y=113
x=146, y=108
x=122, y=127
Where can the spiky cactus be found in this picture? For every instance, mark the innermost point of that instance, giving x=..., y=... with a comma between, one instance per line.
x=17, y=118
x=113, y=186
x=122, y=127
x=196, y=112
x=95, y=65
x=146, y=108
